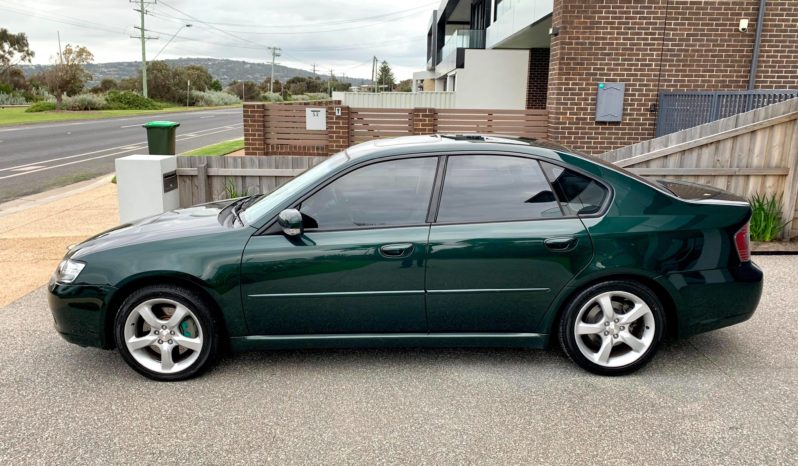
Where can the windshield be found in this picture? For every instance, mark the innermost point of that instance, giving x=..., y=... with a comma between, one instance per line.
x=293, y=187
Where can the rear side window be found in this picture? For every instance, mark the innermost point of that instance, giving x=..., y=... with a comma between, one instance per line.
x=485, y=188
x=578, y=194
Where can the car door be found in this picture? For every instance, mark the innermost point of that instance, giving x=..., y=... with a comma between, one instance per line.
x=359, y=265
x=501, y=248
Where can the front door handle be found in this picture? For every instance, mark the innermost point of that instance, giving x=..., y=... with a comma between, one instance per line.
x=561, y=244
x=399, y=250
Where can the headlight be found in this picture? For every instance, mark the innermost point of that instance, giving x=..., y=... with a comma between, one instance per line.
x=68, y=271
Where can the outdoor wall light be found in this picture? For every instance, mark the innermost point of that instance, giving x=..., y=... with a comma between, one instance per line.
x=554, y=31
x=743, y=25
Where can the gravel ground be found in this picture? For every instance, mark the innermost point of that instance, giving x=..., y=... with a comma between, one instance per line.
x=727, y=397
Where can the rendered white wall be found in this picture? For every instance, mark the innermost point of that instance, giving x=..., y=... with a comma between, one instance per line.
x=139, y=185
x=493, y=79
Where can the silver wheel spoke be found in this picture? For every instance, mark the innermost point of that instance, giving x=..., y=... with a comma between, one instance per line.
x=194, y=344
x=136, y=343
x=166, y=358
x=633, y=342
x=583, y=328
x=603, y=354
x=606, y=307
x=146, y=313
x=180, y=313
x=638, y=311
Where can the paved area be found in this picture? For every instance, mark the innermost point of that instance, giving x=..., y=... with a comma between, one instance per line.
x=37, y=157
x=727, y=397
x=36, y=230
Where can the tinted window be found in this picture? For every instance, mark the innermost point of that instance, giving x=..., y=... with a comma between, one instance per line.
x=484, y=188
x=382, y=194
x=578, y=194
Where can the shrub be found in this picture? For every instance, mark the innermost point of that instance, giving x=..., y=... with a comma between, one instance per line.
x=214, y=98
x=84, y=102
x=317, y=95
x=129, y=100
x=766, y=221
x=300, y=98
x=41, y=106
x=12, y=98
x=271, y=97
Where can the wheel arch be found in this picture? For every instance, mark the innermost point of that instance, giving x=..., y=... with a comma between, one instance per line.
x=162, y=278
x=668, y=303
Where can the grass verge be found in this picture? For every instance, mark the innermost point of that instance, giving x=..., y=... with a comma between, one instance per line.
x=221, y=148
x=17, y=116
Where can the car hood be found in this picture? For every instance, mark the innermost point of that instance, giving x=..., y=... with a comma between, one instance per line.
x=182, y=223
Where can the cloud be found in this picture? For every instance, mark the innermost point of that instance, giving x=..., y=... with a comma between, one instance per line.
x=341, y=35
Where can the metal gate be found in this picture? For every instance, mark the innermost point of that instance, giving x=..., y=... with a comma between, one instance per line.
x=682, y=110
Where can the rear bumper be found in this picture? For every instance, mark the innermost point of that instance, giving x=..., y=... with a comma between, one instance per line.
x=713, y=299
x=80, y=313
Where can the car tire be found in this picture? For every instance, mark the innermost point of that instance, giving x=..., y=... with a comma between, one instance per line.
x=166, y=333
x=612, y=328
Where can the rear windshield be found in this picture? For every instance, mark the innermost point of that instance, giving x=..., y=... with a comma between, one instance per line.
x=653, y=183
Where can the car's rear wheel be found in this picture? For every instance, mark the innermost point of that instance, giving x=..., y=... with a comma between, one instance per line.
x=612, y=328
x=166, y=333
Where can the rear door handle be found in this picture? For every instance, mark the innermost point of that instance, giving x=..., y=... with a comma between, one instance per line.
x=397, y=250
x=561, y=244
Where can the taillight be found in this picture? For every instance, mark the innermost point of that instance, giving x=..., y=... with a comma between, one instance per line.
x=742, y=241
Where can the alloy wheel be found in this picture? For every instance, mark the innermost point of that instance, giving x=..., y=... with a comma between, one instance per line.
x=163, y=335
x=614, y=329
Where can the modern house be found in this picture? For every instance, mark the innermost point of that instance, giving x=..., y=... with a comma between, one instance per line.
x=612, y=73
x=491, y=53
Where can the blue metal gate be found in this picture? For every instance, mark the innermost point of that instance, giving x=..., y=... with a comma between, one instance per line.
x=682, y=110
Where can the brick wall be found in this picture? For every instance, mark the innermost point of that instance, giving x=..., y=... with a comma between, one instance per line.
x=538, y=83
x=254, y=143
x=654, y=45
x=424, y=121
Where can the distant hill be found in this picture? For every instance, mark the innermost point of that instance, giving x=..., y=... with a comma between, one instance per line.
x=222, y=69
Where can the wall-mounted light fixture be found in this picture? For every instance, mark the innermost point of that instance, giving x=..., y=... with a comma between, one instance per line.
x=743, y=25
x=554, y=31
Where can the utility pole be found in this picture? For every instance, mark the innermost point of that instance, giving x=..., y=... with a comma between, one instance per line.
x=188, y=93
x=142, y=9
x=329, y=84
x=374, y=73
x=60, y=50
x=314, y=70
x=275, y=53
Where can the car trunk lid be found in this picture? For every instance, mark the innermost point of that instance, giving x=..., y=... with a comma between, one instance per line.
x=699, y=192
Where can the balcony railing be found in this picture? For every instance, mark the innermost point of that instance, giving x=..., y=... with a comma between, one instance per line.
x=514, y=15
x=461, y=39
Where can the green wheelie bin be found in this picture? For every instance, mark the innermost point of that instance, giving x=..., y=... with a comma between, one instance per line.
x=161, y=137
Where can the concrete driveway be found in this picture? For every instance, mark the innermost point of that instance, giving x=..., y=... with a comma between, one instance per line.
x=728, y=397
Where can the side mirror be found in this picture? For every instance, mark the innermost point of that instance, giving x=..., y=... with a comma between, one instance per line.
x=291, y=222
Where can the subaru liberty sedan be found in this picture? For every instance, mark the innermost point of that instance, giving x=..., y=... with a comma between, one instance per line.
x=419, y=241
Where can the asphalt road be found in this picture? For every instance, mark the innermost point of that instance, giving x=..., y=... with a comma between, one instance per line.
x=727, y=397
x=37, y=157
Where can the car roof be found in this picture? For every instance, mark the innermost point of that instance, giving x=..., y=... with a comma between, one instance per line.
x=453, y=142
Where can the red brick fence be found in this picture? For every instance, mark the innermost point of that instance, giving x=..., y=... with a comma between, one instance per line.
x=279, y=129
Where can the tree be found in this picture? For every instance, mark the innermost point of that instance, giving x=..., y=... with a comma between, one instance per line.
x=246, y=90
x=106, y=85
x=15, y=79
x=200, y=78
x=67, y=75
x=385, y=76
x=405, y=86
x=14, y=49
x=215, y=85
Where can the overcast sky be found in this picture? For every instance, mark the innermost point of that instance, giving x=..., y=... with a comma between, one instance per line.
x=338, y=34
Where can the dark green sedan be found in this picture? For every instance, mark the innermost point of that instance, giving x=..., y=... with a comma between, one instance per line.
x=420, y=241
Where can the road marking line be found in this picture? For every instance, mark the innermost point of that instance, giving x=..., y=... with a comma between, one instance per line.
x=24, y=169
x=130, y=126
x=138, y=145
x=84, y=160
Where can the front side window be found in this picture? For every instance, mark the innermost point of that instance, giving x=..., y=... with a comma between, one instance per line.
x=389, y=193
x=485, y=188
x=578, y=194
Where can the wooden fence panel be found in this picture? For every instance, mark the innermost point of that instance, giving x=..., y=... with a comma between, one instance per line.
x=523, y=123
x=376, y=123
x=206, y=179
x=285, y=124
x=753, y=153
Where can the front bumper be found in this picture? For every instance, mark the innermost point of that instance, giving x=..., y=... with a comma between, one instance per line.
x=80, y=313
x=713, y=299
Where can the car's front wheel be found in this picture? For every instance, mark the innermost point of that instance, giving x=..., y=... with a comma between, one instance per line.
x=166, y=333
x=612, y=328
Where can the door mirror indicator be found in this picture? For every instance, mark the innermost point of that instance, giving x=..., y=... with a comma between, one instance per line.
x=290, y=221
